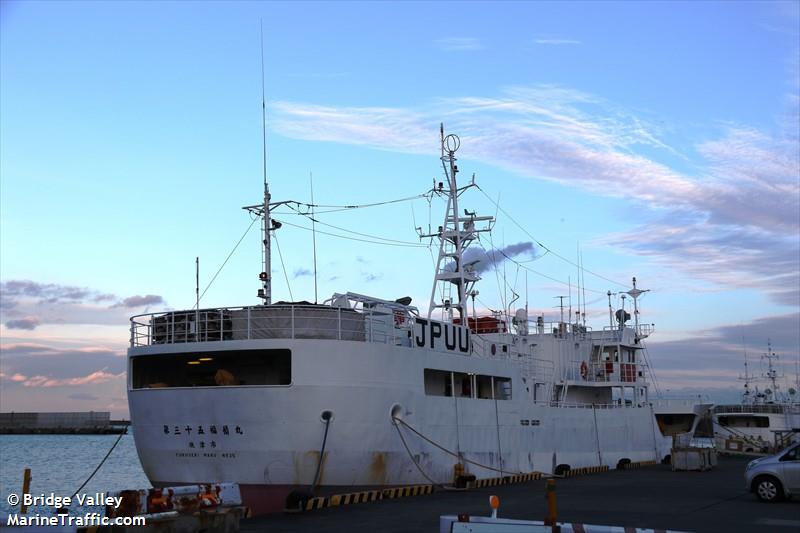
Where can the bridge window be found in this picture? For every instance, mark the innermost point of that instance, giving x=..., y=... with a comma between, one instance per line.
x=212, y=369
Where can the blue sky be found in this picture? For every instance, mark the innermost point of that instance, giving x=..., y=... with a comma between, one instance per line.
x=661, y=138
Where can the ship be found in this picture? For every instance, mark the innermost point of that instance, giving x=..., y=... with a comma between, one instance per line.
x=765, y=421
x=288, y=398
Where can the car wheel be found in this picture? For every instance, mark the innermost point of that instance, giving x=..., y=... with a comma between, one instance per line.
x=768, y=489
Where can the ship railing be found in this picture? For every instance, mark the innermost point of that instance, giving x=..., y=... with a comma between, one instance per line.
x=572, y=405
x=644, y=330
x=605, y=371
x=757, y=408
x=561, y=330
x=273, y=322
x=686, y=401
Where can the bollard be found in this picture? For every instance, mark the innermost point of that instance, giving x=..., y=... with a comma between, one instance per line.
x=26, y=488
x=550, y=494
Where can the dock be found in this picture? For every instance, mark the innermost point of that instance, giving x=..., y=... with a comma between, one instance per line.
x=649, y=497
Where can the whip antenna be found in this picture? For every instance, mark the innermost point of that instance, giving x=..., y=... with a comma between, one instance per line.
x=265, y=292
x=313, y=234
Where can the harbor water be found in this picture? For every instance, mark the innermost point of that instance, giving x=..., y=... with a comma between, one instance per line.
x=61, y=463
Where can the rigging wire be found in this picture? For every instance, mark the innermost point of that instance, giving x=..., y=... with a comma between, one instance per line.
x=395, y=243
x=314, y=220
x=283, y=265
x=226, y=259
x=544, y=246
x=529, y=269
x=336, y=208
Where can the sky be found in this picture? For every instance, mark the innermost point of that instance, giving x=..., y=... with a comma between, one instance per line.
x=655, y=139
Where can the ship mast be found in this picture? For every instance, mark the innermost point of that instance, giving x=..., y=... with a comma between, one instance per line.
x=262, y=210
x=455, y=236
x=771, y=374
x=747, y=395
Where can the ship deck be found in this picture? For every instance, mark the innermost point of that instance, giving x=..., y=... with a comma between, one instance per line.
x=652, y=497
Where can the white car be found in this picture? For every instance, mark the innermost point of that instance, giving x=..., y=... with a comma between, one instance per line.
x=776, y=476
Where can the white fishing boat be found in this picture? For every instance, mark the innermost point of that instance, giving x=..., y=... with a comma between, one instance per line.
x=766, y=420
x=361, y=391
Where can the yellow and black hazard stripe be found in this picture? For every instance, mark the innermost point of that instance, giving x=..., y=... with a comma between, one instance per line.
x=637, y=464
x=404, y=492
x=505, y=480
x=584, y=470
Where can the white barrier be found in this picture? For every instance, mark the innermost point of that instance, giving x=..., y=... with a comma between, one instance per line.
x=487, y=524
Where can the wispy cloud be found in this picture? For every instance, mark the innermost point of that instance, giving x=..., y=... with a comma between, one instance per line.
x=37, y=365
x=301, y=272
x=743, y=201
x=26, y=305
x=370, y=277
x=458, y=44
x=557, y=41
x=140, y=301
x=715, y=357
x=29, y=323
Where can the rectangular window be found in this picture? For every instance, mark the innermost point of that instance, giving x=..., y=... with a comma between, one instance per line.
x=463, y=383
x=466, y=385
x=212, y=369
x=744, y=421
x=502, y=388
x=437, y=383
x=484, y=387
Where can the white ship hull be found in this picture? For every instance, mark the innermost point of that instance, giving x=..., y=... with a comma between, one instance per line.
x=275, y=432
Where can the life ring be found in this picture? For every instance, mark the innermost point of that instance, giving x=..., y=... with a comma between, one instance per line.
x=584, y=370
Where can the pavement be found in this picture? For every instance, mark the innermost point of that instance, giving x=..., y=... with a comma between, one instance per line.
x=650, y=497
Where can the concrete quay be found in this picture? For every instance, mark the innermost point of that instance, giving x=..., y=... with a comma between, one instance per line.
x=649, y=497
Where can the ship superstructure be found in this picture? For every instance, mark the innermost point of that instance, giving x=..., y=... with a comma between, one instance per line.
x=360, y=391
x=767, y=419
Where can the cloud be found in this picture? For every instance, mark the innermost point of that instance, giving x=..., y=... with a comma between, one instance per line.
x=556, y=41
x=730, y=256
x=26, y=304
x=33, y=364
x=458, y=44
x=738, y=209
x=46, y=382
x=369, y=277
x=300, y=272
x=714, y=358
x=12, y=291
x=83, y=396
x=29, y=323
x=140, y=301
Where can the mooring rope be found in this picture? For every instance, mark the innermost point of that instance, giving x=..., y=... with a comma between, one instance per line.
x=124, y=432
x=321, y=454
x=413, y=460
x=454, y=454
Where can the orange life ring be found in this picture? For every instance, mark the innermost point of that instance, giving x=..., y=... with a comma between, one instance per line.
x=584, y=369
